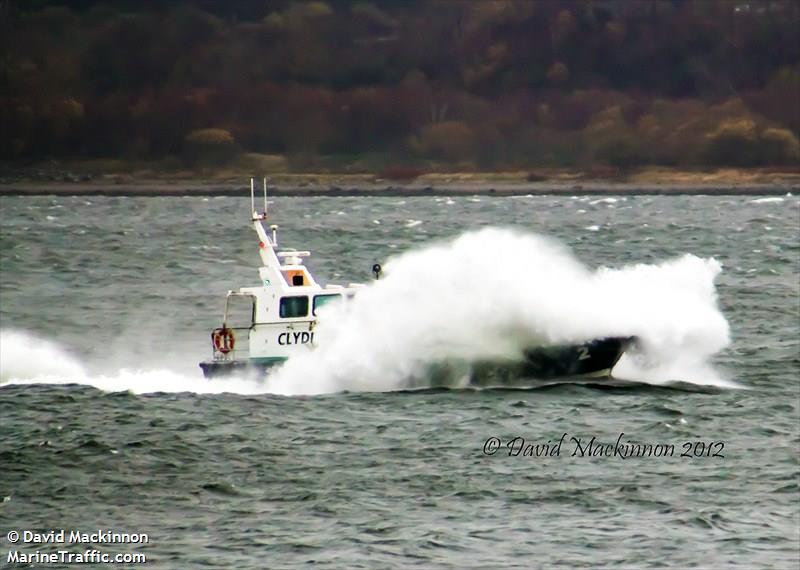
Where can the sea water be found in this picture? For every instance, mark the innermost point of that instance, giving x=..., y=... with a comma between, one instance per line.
x=348, y=456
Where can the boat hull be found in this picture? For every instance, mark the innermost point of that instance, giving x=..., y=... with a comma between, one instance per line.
x=593, y=359
x=241, y=368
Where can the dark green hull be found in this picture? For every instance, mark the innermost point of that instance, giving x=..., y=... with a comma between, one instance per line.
x=594, y=359
x=241, y=368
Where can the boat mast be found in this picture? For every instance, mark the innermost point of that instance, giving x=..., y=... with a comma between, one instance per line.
x=266, y=245
x=265, y=197
x=252, y=199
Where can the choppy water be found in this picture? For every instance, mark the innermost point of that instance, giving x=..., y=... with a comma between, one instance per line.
x=106, y=421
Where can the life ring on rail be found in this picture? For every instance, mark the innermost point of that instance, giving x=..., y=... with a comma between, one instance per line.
x=223, y=340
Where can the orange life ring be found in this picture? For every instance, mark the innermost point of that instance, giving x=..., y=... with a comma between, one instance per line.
x=223, y=340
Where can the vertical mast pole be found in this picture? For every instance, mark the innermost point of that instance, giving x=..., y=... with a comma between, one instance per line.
x=265, y=196
x=252, y=198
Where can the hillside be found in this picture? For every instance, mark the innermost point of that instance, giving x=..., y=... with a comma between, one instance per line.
x=400, y=88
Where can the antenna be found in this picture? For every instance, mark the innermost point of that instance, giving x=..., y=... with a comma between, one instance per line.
x=265, y=196
x=252, y=197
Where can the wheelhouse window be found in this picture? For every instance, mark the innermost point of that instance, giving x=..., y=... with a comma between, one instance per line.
x=322, y=300
x=296, y=278
x=294, y=307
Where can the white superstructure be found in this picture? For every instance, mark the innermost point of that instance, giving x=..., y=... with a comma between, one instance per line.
x=268, y=323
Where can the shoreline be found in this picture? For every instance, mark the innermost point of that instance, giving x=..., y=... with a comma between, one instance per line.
x=406, y=190
x=650, y=181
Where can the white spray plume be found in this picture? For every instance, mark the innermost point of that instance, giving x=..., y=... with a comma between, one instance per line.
x=28, y=359
x=24, y=355
x=491, y=293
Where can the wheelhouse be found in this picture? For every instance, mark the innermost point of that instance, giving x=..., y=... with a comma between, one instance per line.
x=273, y=320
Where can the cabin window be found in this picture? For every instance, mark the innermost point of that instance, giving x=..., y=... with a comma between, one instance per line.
x=296, y=278
x=293, y=307
x=322, y=300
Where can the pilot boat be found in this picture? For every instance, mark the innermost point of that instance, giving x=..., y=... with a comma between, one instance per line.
x=265, y=325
